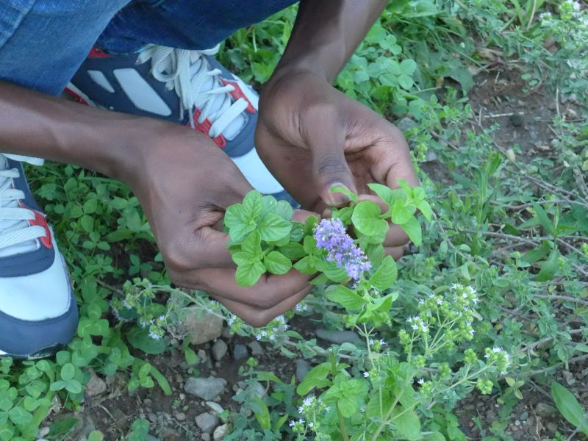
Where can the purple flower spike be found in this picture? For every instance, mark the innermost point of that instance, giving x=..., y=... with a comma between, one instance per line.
x=331, y=236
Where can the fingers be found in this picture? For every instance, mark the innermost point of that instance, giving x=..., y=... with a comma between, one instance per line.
x=401, y=166
x=301, y=215
x=326, y=139
x=265, y=294
x=395, y=252
x=261, y=317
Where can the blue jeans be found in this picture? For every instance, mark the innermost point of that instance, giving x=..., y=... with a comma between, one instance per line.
x=44, y=42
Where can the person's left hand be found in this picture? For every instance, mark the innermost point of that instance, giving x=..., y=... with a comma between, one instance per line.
x=312, y=136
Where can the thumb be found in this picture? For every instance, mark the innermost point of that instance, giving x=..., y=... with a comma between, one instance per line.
x=330, y=166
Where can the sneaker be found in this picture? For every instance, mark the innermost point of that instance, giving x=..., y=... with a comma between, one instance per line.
x=38, y=311
x=182, y=86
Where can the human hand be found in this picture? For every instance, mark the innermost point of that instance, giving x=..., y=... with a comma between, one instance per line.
x=184, y=183
x=312, y=136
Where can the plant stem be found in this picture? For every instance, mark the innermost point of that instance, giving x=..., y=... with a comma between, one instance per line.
x=342, y=425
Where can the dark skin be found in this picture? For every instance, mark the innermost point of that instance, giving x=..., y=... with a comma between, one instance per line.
x=310, y=135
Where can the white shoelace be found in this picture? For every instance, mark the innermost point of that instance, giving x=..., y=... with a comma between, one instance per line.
x=197, y=85
x=15, y=231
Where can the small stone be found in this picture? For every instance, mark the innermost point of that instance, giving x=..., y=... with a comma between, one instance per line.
x=182, y=396
x=205, y=388
x=95, y=386
x=240, y=352
x=220, y=432
x=219, y=349
x=517, y=120
x=338, y=337
x=405, y=124
x=517, y=423
x=205, y=437
x=180, y=416
x=207, y=422
x=569, y=377
x=202, y=355
x=256, y=348
x=551, y=426
x=152, y=417
x=215, y=407
x=524, y=416
x=226, y=333
x=202, y=328
x=302, y=368
x=431, y=156
x=43, y=431
x=571, y=113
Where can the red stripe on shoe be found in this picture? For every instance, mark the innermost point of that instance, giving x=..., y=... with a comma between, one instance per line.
x=205, y=126
x=238, y=93
x=97, y=53
x=76, y=97
x=39, y=220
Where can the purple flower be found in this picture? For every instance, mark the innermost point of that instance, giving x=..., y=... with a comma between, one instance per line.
x=331, y=236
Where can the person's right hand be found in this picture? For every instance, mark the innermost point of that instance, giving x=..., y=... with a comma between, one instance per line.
x=184, y=183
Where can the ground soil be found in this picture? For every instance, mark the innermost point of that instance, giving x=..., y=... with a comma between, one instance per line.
x=523, y=118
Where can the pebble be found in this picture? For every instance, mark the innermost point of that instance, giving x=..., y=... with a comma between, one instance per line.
x=219, y=349
x=524, y=416
x=215, y=407
x=202, y=329
x=337, y=337
x=207, y=422
x=205, y=437
x=302, y=368
x=256, y=348
x=551, y=426
x=240, y=352
x=545, y=410
x=220, y=432
x=226, y=333
x=405, y=124
x=205, y=388
x=569, y=377
x=430, y=156
x=202, y=355
x=180, y=416
x=43, y=431
x=95, y=386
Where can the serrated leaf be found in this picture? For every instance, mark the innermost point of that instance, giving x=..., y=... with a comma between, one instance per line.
x=408, y=424
x=249, y=272
x=252, y=244
x=345, y=297
x=385, y=275
x=366, y=218
x=413, y=229
x=344, y=190
x=252, y=205
x=316, y=377
x=273, y=228
x=277, y=263
x=569, y=407
x=307, y=265
x=402, y=213
x=293, y=251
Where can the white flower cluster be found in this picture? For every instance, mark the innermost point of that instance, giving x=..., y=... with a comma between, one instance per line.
x=500, y=357
x=273, y=330
x=417, y=324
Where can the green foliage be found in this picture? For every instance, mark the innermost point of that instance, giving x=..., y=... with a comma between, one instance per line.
x=569, y=407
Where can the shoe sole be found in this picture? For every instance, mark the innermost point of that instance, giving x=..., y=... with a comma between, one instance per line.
x=47, y=352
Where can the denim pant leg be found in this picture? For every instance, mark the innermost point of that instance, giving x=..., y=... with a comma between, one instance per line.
x=183, y=24
x=43, y=42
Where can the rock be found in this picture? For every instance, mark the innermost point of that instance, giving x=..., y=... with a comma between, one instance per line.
x=430, y=156
x=338, y=337
x=524, y=416
x=545, y=410
x=215, y=407
x=202, y=328
x=240, y=352
x=205, y=388
x=220, y=432
x=205, y=437
x=569, y=377
x=43, y=431
x=302, y=368
x=219, y=349
x=256, y=348
x=226, y=333
x=405, y=124
x=517, y=120
x=180, y=416
x=95, y=386
x=571, y=113
x=202, y=356
x=207, y=422
x=551, y=426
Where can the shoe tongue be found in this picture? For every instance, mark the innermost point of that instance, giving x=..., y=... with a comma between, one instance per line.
x=22, y=247
x=219, y=101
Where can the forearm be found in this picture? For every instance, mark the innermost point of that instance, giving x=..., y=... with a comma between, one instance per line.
x=326, y=34
x=33, y=124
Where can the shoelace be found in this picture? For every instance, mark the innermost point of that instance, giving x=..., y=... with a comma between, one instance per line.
x=196, y=84
x=14, y=228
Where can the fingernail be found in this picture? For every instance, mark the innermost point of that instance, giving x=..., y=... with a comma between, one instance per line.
x=337, y=198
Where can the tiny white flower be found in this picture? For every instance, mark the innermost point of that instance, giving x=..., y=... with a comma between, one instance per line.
x=258, y=337
x=311, y=424
x=301, y=420
x=421, y=381
x=421, y=302
x=272, y=337
x=439, y=302
x=462, y=45
x=307, y=401
x=415, y=327
x=300, y=409
x=472, y=332
x=362, y=408
x=327, y=408
x=291, y=423
x=382, y=343
x=366, y=374
x=371, y=341
x=503, y=373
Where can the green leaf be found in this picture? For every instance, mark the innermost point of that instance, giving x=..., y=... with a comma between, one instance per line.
x=347, y=406
x=74, y=386
x=293, y=251
x=252, y=244
x=68, y=371
x=95, y=435
x=248, y=273
x=366, y=218
x=543, y=219
x=62, y=426
x=402, y=213
x=385, y=275
x=549, y=267
x=238, y=231
x=316, y=377
x=408, y=66
x=387, y=194
x=569, y=407
x=241, y=257
x=307, y=265
x=413, y=229
x=277, y=263
x=344, y=190
x=262, y=414
x=345, y=297
x=20, y=416
x=161, y=380
x=139, y=338
x=426, y=210
x=537, y=254
x=408, y=424
x=273, y=228
x=252, y=206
